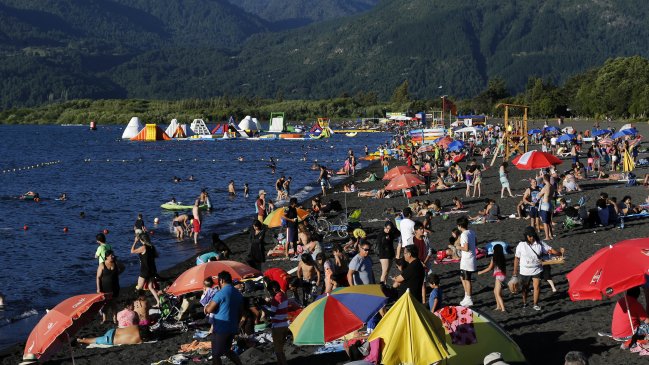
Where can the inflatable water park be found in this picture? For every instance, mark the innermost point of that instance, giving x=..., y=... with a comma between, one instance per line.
x=248, y=128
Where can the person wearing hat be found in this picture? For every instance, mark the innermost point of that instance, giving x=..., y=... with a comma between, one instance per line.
x=260, y=206
x=494, y=358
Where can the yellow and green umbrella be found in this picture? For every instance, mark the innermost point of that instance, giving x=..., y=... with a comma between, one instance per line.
x=274, y=219
x=411, y=334
x=336, y=314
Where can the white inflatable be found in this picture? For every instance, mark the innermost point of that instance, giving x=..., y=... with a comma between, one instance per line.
x=133, y=128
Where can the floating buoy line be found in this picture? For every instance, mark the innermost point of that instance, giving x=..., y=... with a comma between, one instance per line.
x=43, y=164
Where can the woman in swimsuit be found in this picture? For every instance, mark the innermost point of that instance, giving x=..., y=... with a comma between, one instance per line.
x=148, y=271
x=108, y=283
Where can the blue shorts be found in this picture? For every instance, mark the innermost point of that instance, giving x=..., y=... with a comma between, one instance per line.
x=533, y=211
x=291, y=235
x=546, y=216
x=107, y=338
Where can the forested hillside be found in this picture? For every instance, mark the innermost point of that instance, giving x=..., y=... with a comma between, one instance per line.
x=286, y=14
x=60, y=50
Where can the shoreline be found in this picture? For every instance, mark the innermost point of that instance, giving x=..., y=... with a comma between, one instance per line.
x=561, y=325
x=235, y=236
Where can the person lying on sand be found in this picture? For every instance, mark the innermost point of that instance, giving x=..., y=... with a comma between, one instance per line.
x=570, y=183
x=457, y=204
x=129, y=335
x=376, y=193
x=490, y=213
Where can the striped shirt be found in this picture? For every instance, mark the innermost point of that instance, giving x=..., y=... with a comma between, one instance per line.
x=279, y=310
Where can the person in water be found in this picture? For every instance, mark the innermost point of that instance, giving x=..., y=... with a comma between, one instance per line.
x=246, y=190
x=231, y=191
x=197, y=221
x=63, y=197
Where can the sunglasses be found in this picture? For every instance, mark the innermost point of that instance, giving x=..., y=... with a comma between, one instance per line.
x=365, y=249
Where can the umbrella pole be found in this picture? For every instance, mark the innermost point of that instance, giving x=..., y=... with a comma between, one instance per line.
x=628, y=312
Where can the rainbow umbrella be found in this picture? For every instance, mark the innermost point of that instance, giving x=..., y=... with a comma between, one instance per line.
x=274, y=219
x=336, y=314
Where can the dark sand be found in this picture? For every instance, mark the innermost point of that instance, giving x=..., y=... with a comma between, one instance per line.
x=545, y=336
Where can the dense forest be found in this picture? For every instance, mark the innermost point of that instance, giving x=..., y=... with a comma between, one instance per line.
x=62, y=50
x=617, y=89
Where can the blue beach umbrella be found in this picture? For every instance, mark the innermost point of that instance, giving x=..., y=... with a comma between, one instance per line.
x=623, y=132
x=600, y=132
x=534, y=131
x=455, y=146
x=565, y=138
x=551, y=129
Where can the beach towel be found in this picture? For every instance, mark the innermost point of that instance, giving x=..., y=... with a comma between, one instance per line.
x=480, y=253
x=101, y=346
x=458, y=322
x=195, y=345
x=329, y=347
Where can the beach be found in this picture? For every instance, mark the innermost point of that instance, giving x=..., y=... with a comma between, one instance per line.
x=544, y=336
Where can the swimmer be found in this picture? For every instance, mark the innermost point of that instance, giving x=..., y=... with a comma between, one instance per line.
x=82, y=215
x=180, y=224
x=173, y=201
x=240, y=158
x=2, y=301
x=63, y=197
x=191, y=178
x=231, y=190
x=176, y=179
x=246, y=190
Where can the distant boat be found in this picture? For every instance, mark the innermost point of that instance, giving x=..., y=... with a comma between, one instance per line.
x=351, y=134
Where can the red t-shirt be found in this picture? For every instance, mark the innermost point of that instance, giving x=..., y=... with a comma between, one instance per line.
x=279, y=276
x=620, y=326
x=422, y=251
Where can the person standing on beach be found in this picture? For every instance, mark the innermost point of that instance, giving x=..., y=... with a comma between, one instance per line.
x=260, y=206
x=407, y=227
x=546, y=195
x=108, y=283
x=504, y=181
x=278, y=311
x=529, y=259
x=467, y=247
x=324, y=179
x=386, y=248
x=226, y=305
x=148, y=271
x=103, y=247
x=256, y=250
x=290, y=216
x=360, y=267
x=197, y=221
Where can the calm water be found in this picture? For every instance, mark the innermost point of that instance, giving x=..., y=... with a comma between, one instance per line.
x=111, y=181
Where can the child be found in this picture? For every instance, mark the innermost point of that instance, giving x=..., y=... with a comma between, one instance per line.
x=499, y=266
x=477, y=182
x=435, y=298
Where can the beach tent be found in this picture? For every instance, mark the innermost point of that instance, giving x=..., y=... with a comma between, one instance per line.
x=151, y=132
x=410, y=334
x=489, y=337
x=133, y=128
x=199, y=127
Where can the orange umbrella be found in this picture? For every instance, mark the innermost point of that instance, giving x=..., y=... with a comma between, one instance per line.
x=444, y=142
x=60, y=323
x=192, y=279
x=396, y=171
x=404, y=182
x=274, y=219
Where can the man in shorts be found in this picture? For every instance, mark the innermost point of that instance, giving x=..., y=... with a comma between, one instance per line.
x=467, y=247
x=227, y=306
x=129, y=335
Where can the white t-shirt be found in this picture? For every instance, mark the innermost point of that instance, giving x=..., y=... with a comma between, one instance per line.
x=528, y=260
x=407, y=231
x=467, y=258
x=553, y=141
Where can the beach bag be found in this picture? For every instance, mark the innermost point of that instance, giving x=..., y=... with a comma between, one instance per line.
x=514, y=285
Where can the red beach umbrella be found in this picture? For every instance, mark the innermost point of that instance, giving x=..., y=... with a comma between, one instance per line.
x=404, y=182
x=611, y=270
x=60, y=324
x=192, y=279
x=396, y=171
x=535, y=160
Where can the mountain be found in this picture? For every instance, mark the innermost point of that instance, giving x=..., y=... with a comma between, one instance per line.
x=64, y=49
x=286, y=14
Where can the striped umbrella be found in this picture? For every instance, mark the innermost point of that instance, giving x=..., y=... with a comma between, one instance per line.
x=336, y=314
